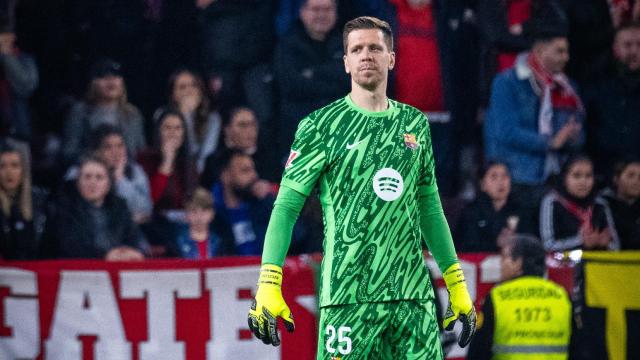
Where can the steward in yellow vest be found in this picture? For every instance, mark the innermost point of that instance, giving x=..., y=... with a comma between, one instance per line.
x=526, y=316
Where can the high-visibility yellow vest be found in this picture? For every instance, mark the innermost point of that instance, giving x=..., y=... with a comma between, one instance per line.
x=532, y=320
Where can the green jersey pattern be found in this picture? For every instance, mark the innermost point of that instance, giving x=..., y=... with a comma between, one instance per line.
x=370, y=168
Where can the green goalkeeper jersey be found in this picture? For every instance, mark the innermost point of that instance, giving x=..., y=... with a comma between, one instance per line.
x=371, y=168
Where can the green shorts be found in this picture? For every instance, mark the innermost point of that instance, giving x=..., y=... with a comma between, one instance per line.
x=378, y=331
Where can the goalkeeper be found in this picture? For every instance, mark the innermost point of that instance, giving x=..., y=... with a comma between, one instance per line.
x=372, y=160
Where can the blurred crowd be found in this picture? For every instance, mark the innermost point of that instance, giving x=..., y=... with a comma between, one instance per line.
x=150, y=128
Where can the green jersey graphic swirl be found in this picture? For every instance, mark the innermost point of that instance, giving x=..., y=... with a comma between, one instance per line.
x=370, y=168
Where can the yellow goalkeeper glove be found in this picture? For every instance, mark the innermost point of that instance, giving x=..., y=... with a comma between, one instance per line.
x=268, y=306
x=460, y=305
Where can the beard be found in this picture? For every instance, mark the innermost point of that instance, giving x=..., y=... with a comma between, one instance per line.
x=244, y=193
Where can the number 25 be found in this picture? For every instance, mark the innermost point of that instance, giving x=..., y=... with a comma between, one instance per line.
x=343, y=339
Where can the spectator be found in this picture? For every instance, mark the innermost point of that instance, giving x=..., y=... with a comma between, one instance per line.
x=431, y=58
x=188, y=95
x=526, y=304
x=613, y=103
x=591, y=27
x=22, y=215
x=241, y=133
x=624, y=201
x=236, y=36
x=535, y=116
x=196, y=240
x=243, y=202
x=572, y=217
x=18, y=80
x=169, y=165
x=90, y=221
x=172, y=175
x=105, y=103
x=131, y=182
x=505, y=28
x=308, y=68
x=487, y=223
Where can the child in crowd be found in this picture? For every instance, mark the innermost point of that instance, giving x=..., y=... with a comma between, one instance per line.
x=624, y=201
x=487, y=222
x=196, y=240
x=571, y=216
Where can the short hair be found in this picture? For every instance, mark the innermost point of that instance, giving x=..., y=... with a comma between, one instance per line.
x=530, y=250
x=200, y=199
x=367, y=22
x=227, y=157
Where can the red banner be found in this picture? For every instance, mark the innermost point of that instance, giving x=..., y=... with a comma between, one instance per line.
x=167, y=309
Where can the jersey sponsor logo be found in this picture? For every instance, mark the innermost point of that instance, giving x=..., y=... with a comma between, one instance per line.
x=351, y=146
x=388, y=184
x=410, y=141
x=292, y=155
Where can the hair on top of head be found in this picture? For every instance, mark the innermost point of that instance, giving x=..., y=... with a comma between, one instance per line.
x=200, y=199
x=529, y=248
x=364, y=23
x=482, y=171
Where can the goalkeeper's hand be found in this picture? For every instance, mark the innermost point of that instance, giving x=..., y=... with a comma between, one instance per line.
x=460, y=305
x=268, y=306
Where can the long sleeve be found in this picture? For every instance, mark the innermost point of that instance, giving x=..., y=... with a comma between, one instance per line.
x=548, y=228
x=136, y=191
x=74, y=132
x=435, y=230
x=22, y=73
x=503, y=123
x=283, y=217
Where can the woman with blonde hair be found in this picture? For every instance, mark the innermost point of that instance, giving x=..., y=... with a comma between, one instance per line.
x=22, y=208
x=106, y=103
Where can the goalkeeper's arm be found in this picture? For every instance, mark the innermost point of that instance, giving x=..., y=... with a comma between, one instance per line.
x=437, y=235
x=269, y=304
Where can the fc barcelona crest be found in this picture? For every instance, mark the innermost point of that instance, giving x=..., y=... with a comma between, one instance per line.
x=410, y=141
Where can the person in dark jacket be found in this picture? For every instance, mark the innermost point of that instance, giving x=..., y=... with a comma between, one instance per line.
x=18, y=80
x=571, y=216
x=505, y=29
x=487, y=222
x=236, y=36
x=22, y=208
x=308, y=66
x=243, y=204
x=90, y=221
x=624, y=201
x=613, y=104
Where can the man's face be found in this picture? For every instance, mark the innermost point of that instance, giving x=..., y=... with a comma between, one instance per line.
x=368, y=59
x=553, y=54
x=242, y=173
x=509, y=268
x=318, y=17
x=626, y=48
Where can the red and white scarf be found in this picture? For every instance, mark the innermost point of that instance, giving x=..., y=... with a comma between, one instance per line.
x=557, y=93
